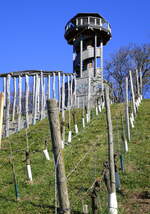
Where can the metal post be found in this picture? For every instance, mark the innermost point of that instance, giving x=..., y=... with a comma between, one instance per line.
x=61, y=180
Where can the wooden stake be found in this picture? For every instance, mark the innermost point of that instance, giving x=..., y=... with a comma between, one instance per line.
x=1, y=115
x=112, y=195
x=127, y=112
x=53, y=116
x=132, y=92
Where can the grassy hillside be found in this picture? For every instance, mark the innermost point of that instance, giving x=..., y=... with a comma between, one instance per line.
x=86, y=153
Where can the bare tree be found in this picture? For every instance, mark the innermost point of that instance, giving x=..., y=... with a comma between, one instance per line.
x=125, y=59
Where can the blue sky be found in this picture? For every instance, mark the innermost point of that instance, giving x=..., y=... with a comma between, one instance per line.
x=32, y=31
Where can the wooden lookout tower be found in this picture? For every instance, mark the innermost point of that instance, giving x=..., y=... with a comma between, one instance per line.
x=88, y=33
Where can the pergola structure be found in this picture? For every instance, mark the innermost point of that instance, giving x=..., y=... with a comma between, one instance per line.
x=26, y=93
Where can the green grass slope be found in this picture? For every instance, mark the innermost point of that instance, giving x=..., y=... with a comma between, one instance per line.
x=86, y=155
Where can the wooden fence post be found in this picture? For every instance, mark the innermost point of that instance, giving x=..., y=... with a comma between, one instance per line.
x=127, y=112
x=141, y=85
x=112, y=194
x=132, y=92
x=1, y=115
x=53, y=116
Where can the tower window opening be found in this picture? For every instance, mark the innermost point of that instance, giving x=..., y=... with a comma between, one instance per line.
x=92, y=21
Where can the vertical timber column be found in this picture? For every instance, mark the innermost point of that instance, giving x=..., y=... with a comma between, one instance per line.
x=61, y=180
x=59, y=90
x=75, y=91
x=101, y=61
x=4, y=89
x=132, y=92
x=141, y=85
x=54, y=92
x=49, y=86
x=42, y=93
x=137, y=82
x=33, y=93
x=68, y=99
x=27, y=100
x=112, y=195
x=71, y=84
x=95, y=59
x=19, y=99
x=89, y=94
x=127, y=111
x=38, y=97
x=35, y=100
x=63, y=96
x=7, y=104
x=81, y=61
x=14, y=100
x=1, y=115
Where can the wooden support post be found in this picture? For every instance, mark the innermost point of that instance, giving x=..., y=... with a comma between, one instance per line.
x=49, y=86
x=132, y=92
x=127, y=112
x=27, y=100
x=35, y=100
x=14, y=100
x=61, y=180
x=59, y=90
x=141, y=85
x=89, y=96
x=63, y=110
x=54, y=92
x=102, y=80
x=19, y=100
x=7, y=105
x=4, y=90
x=33, y=92
x=71, y=90
x=1, y=115
x=68, y=97
x=75, y=92
x=112, y=194
x=38, y=97
x=95, y=57
x=42, y=96
x=81, y=61
x=137, y=82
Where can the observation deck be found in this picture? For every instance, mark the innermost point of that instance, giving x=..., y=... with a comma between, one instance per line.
x=88, y=23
